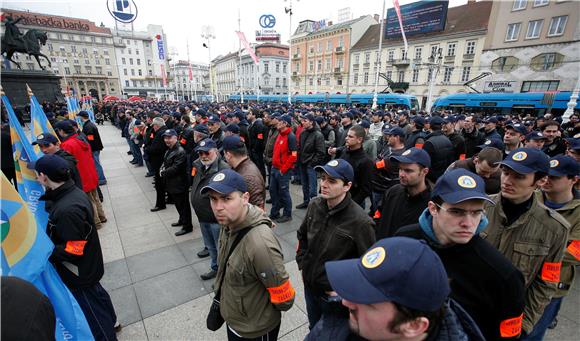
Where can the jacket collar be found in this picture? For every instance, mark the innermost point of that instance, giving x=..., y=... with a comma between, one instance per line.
x=56, y=194
x=254, y=216
x=341, y=206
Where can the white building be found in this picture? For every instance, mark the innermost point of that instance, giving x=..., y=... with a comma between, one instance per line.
x=224, y=69
x=271, y=73
x=184, y=87
x=142, y=61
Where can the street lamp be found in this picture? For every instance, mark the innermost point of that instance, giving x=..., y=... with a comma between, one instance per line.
x=208, y=33
x=434, y=64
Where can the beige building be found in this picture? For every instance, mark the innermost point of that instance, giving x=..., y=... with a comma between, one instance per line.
x=457, y=50
x=81, y=52
x=321, y=57
x=533, y=44
x=182, y=87
x=224, y=75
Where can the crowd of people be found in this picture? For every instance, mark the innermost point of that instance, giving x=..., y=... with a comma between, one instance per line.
x=417, y=227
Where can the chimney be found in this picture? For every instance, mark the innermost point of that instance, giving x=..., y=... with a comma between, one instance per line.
x=377, y=18
x=329, y=23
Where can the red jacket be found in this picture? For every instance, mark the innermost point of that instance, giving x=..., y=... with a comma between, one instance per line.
x=285, y=151
x=85, y=163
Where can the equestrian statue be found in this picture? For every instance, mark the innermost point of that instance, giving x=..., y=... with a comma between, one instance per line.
x=29, y=43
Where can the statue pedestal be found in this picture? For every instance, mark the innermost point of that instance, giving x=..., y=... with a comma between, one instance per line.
x=44, y=84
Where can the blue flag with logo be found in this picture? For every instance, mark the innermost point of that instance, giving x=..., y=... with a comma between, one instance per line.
x=40, y=123
x=25, y=246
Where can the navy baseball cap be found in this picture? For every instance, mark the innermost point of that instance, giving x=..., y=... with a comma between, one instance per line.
x=396, y=130
x=348, y=114
x=214, y=119
x=493, y=142
x=574, y=142
x=309, y=117
x=45, y=140
x=492, y=119
x=386, y=129
x=65, y=125
x=393, y=270
x=518, y=127
x=51, y=165
x=458, y=185
x=414, y=155
x=450, y=119
x=527, y=160
x=233, y=128
x=226, y=182
x=564, y=165
x=201, y=128
x=337, y=168
x=286, y=118
x=365, y=124
x=201, y=113
x=169, y=132
x=436, y=120
x=379, y=113
x=419, y=121
x=205, y=145
x=320, y=119
x=535, y=135
x=83, y=113
x=232, y=142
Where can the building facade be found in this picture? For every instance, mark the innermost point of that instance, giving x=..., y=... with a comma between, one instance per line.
x=270, y=76
x=185, y=87
x=224, y=69
x=450, y=57
x=534, y=45
x=81, y=53
x=142, y=61
x=321, y=58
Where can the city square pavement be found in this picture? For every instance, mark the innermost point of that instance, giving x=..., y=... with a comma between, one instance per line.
x=153, y=276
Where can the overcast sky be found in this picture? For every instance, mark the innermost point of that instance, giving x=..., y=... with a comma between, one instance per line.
x=182, y=20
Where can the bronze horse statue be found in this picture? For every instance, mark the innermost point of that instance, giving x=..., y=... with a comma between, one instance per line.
x=29, y=44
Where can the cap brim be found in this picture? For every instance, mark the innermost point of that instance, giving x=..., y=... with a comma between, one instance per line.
x=218, y=187
x=330, y=171
x=517, y=167
x=461, y=196
x=350, y=283
x=556, y=173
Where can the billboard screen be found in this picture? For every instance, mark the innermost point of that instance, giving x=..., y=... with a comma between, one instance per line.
x=418, y=17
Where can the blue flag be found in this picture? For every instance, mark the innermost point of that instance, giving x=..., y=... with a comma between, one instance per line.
x=25, y=246
x=40, y=123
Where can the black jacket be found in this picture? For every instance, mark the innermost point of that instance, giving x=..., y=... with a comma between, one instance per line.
x=492, y=184
x=312, y=152
x=343, y=232
x=415, y=138
x=200, y=202
x=186, y=139
x=92, y=133
x=77, y=251
x=400, y=209
x=218, y=138
x=440, y=149
x=72, y=167
x=363, y=167
x=482, y=280
x=174, y=171
x=557, y=147
x=472, y=140
x=386, y=170
x=258, y=133
x=458, y=143
x=156, y=150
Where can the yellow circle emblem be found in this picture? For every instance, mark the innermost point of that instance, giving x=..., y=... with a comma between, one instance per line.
x=374, y=258
x=554, y=163
x=219, y=177
x=466, y=181
x=333, y=163
x=520, y=156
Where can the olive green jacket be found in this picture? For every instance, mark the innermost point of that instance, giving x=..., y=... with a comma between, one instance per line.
x=256, y=286
x=570, y=212
x=536, y=239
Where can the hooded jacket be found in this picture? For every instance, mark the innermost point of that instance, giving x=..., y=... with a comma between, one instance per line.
x=85, y=163
x=285, y=151
x=256, y=286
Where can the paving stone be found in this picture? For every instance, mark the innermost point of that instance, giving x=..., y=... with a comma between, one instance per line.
x=132, y=332
x=144, y=238
x=116, y=275
x=125, y=303
x=156, y=262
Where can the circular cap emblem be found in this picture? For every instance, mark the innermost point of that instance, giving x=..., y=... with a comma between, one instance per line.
x=466, y=181
x=554, y=163
x=406, y=152
x=167, y=131
x=540, y=135
x=374, y=258
x=219, y=177
x=40, y=137
x=577, y=136
x=487, y=142
x=202, y=143
x=520, y=156
x=333, y=163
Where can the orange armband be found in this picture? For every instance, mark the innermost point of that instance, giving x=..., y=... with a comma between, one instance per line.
x=511, y=327
x=551, y=272
x=282, y=293
x=574, y=249
x=380, y=164
x=75, y=247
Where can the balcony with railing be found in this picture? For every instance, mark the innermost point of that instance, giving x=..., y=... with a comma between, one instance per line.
x=468, y=56
x=339, y=50
x=401, y=62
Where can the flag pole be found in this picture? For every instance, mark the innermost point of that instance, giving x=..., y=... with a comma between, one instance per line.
x=378, y=61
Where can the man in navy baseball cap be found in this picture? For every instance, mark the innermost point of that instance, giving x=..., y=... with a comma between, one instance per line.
x=491, y=142
x=535, y=139
x=414, y=155
x=45, y=140
x=53, y=166
x=391, y=278
x=338, y=169
x=573, y=149
x=205, y=145
x=527, y=161
x=226, y=182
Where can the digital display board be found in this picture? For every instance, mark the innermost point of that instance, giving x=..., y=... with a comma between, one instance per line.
x=418, y=17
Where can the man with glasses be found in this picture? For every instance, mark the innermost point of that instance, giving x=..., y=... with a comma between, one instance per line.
x=482, y=280
x=528, y=233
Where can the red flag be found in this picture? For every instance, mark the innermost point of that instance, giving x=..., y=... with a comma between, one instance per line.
x=163, y=74
x=190, y=73
x=244, y=41
x=398, y=10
